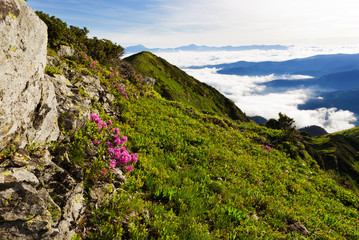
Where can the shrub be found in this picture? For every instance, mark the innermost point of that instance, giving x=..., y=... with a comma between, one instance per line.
x=59, y=33
x=50, y=70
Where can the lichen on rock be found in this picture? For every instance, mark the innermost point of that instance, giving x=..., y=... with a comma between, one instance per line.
x=27, y=102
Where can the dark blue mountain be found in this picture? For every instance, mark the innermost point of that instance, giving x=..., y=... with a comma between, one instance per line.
x=345, y=100
x=315, y=66
x=331, y=82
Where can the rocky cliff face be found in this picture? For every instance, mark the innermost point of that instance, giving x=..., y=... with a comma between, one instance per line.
x=27, y=100
x=41, y=193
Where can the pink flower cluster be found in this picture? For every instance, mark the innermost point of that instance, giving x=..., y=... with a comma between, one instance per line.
x=267, y=147
x=121, y=88
x=138, y=77
x=118, y=154
x=97, y=119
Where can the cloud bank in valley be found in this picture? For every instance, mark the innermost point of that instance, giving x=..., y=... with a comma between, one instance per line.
x=246, y=94
x=251, y=98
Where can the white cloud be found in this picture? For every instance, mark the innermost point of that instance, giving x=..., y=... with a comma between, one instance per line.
x=242, y=90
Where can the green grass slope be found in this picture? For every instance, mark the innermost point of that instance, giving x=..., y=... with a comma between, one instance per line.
x=175, y=85
x=200, y=176
x=340, y=152
x=353, y=132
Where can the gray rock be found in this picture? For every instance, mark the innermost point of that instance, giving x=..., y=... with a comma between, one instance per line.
x=149, y=81
x=65, y=51
x=18, y=175
x=18, y=160
x=25, y=112
x=39, y=200
x=99, y=191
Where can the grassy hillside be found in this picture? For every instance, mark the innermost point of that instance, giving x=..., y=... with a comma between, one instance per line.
x=353, y=132
x=201, y=176
x=339, y=152
x=176, y=85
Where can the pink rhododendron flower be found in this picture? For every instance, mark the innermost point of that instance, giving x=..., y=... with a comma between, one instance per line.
x=116, y=130
x=134, y=157
x=112, y=163
x=118, y=141
x=129, y=168
x=118, y=155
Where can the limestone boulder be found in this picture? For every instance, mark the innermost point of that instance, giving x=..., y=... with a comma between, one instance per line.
x=27, y=102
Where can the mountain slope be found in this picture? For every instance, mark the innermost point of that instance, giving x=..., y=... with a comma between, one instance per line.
x=340, y=152
x=176, y=85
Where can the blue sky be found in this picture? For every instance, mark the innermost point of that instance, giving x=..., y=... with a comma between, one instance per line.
x=172, y=23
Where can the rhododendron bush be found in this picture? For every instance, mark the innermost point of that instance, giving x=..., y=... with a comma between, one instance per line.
x=109, y=144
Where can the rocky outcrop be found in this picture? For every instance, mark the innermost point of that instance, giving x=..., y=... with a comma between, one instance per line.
x=65, y=51
x=75, y=93
x=41, y=192
x=27, y=101
x=38, y=198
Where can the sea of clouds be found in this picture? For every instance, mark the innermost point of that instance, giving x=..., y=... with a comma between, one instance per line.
x=251, y=97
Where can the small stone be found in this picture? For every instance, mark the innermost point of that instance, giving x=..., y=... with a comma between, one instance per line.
x=299, y=228
x=149, y=81
x=120, y=175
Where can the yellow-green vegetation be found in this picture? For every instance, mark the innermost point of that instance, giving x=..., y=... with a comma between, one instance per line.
x=353, y=132
x=54, y=211
x=202, y=176
x=200, y=180
x=339, y=152
x=12, y=16
x=51, y=70
x=201, y=172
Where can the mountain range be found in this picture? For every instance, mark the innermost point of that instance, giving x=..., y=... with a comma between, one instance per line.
x=315, y=66
x=331, y=82
x=193, y=47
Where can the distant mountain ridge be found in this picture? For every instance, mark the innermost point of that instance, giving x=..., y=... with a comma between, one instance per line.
x=193, y=47
x=332, y=82
x=315, y=66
